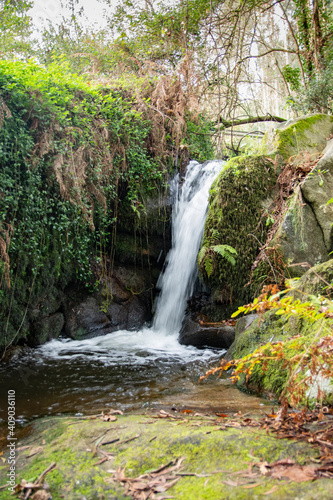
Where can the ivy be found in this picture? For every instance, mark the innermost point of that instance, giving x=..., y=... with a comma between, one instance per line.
x=65, y=148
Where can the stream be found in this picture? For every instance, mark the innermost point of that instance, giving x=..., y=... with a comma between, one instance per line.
x=134, y=370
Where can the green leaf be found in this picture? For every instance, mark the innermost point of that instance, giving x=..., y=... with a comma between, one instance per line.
x=202, y=254
x=226, y=252
x=208, y=264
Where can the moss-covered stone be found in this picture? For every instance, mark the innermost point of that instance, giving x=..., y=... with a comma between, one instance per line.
x=213, y=456
x=307, y=133
x=317, y=190
x=265, y=331
x=256, y=331
x=237, y=218
x=299, y=238
x=316, y=281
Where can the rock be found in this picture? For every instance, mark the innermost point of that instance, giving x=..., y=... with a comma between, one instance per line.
x=244, y=323
x=87, y=320
x=115, y=290
x=130, y=315
x=47, y=328
x=299, y=238
x=253, y=331
x=192, y=333
x=316, y=281
x=118, y=314
x=317, y=190
x=80, y=474
x=138, y=314
x=235, y=218
x=307, y=133
x=95, y=315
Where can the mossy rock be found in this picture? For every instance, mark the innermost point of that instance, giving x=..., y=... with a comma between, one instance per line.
x=299, y=238
x=263, y=333
x=316, y=281
x=237, y=218
x=308, y=133
x=317, y=190
x=255, y=331
x=210, y=458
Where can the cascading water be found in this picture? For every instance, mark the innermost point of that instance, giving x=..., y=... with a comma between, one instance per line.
x=131, y=369
x=188, y=220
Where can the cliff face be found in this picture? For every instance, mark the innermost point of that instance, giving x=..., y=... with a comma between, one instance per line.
x=281, y=229
x=273, y=210
x=82, y=197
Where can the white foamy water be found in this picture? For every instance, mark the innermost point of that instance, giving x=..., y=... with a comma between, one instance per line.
x=188, y=221
x=176, y=284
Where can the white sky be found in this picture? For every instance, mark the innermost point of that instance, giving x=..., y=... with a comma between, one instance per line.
x=51, y=10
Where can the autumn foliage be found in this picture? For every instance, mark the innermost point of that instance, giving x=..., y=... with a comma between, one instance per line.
x=306, y=360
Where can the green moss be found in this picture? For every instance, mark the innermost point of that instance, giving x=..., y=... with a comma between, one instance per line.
x=59, y=223
x=206, y=451
x=316, y=281
x=303, y=134
x=266, y=330
x=234, y=216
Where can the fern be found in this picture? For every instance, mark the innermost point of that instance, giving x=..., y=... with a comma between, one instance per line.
x=208, y=264
x=215, y=234
x=227, y=252
x=202, y=254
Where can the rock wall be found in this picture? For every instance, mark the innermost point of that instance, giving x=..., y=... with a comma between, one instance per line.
x=125, y=294
x=241, y=202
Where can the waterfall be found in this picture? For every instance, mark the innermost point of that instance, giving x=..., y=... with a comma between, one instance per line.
x=188, y=219
x=149, y=345
x=131, y=368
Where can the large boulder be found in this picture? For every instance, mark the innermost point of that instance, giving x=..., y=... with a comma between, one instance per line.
x=123, y=302
x=318, y=190
x=299, y=238
x=295, y=330
x=316, y=281
x=236, y=217
x=308, y=133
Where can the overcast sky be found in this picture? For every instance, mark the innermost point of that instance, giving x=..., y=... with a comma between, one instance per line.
x=51, y=10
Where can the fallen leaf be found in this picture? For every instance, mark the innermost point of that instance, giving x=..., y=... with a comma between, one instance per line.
x=34, y=451
x=263, y=469
x=295, y=473
x=139, y=486
x=108, y=418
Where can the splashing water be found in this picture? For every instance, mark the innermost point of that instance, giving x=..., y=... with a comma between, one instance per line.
x=188, y=220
